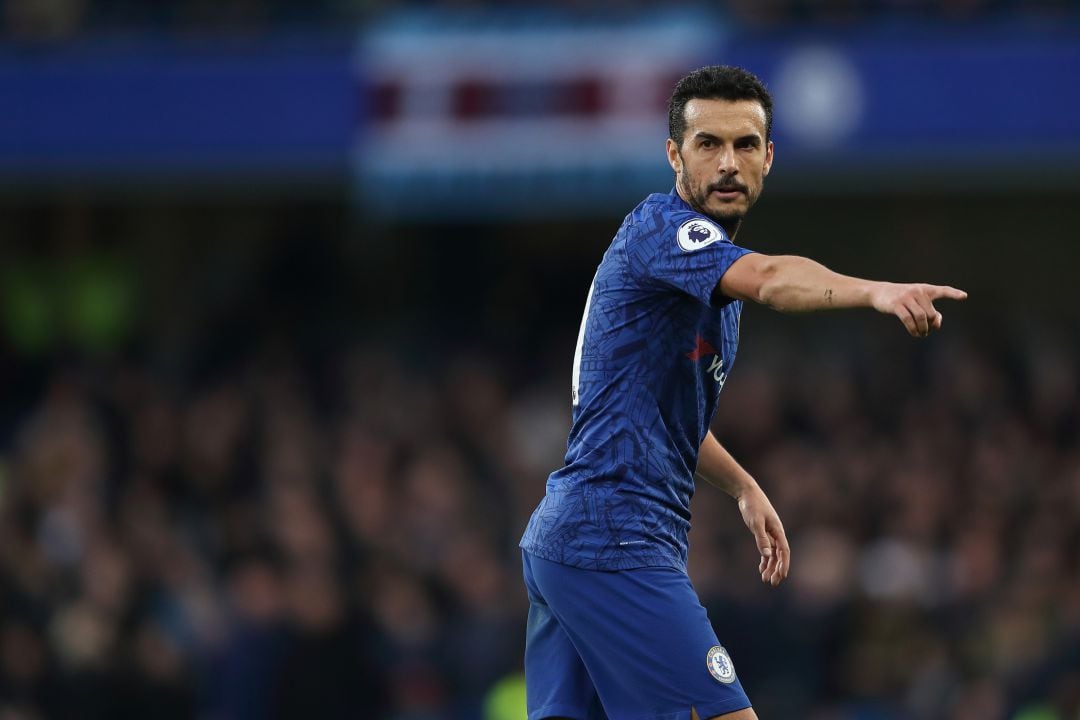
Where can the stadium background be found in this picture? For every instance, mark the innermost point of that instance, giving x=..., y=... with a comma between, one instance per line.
x=289, y=294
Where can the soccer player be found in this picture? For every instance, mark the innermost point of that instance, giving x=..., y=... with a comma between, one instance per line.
x=615, y=629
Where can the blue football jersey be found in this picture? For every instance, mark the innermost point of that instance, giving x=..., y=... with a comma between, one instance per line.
x=653, y=351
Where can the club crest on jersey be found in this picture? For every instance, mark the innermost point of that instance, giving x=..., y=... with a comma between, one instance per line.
x=698, y=233
x=720, y=665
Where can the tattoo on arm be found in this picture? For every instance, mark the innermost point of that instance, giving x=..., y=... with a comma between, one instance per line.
x=828, y=296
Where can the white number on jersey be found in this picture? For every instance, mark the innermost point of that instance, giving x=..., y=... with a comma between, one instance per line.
x=580, y=342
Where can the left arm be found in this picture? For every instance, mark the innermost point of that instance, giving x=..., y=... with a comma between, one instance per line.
x=719, y=468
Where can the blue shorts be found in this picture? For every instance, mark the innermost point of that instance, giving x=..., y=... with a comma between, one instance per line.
x=625, y=645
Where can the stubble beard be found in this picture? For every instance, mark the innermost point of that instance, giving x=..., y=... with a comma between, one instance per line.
x=699, y=197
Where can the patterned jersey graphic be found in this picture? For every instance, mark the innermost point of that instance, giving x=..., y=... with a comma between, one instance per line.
x=653, y=352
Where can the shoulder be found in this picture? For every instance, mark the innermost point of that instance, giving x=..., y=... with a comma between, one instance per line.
x=667, y=222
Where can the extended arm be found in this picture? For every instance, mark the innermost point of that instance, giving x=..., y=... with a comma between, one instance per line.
x=790, y=283
x=719, y=468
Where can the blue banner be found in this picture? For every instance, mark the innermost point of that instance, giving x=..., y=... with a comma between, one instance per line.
x=149, y=109
x=482, y=114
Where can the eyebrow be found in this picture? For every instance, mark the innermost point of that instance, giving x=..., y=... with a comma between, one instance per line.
x=754, y=138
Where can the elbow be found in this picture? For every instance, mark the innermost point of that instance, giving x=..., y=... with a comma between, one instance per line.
x=769, y=294
x=780, y=287
x=770, y=288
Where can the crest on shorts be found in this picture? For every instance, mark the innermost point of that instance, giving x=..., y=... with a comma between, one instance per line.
x=719, y=664
x=698, y=233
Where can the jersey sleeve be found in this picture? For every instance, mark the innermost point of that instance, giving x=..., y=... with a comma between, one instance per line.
x=684, y=251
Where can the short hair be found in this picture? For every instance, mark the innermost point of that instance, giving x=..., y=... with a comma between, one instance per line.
x=716, y=82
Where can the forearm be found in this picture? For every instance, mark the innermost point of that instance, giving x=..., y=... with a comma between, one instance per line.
x=790, y=283
x=717, y=467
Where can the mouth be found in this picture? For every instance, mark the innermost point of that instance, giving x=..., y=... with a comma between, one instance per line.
x=727, y=193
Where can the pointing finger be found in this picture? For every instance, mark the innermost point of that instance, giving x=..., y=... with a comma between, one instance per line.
x=944, y=291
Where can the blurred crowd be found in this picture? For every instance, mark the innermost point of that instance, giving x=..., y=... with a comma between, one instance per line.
x=50, y=20
x=280, y=540
x=229, y=551
x=933, y=499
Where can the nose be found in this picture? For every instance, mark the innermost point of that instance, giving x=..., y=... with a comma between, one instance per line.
x=726, y=161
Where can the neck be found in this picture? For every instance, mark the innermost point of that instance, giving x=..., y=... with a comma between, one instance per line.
x=731, y=225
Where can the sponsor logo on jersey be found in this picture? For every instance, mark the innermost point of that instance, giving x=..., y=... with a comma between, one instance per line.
x=703, y=349
x=720, y=665
x=698, y=233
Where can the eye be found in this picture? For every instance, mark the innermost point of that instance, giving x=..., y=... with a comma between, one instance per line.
x=706, y=143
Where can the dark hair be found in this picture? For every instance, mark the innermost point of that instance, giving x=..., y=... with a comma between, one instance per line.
x=716, y=82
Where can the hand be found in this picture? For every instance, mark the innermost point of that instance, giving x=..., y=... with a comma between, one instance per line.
x=764, y=523
x=914, y=304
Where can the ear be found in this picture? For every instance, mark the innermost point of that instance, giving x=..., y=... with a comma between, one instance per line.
x=673, y=156
x=768, y=158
